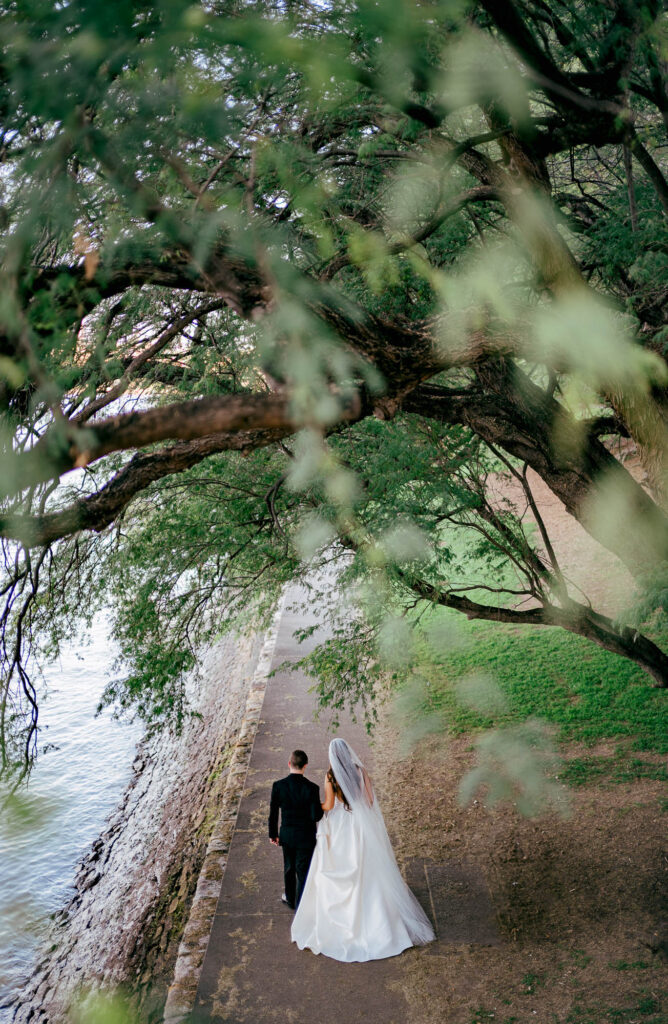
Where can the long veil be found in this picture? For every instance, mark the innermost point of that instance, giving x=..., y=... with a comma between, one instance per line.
x=357, y=788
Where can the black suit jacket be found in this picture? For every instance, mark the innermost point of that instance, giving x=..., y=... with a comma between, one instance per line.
x=298, y=800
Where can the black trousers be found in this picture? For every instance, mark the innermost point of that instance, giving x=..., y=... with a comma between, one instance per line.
x=296, y=862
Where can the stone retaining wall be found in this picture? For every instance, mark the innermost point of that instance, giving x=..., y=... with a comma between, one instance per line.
x=182, y=992
x=133, y=890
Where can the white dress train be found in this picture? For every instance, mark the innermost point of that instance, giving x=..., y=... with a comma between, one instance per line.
x=356, y=905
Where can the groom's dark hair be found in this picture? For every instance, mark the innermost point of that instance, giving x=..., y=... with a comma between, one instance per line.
x=298, y=759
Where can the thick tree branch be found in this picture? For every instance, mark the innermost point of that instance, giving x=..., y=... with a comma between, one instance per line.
x=544, y=72
x=508, y=410
x=61, y=450
x=404, y=353
x=576, y=618
x=99, y=510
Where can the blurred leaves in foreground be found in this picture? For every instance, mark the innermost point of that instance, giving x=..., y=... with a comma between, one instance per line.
x=517, y=765
x=318, y=288
x=103, y=1008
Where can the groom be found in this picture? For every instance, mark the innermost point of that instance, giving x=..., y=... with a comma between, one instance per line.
x=298, y=800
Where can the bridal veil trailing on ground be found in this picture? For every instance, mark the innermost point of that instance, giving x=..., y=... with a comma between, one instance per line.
x=356, y=905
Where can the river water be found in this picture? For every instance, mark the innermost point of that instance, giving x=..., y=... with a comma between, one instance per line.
x=71, y=791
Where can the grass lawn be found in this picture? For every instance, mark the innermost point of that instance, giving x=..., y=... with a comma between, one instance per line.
x=589, y=695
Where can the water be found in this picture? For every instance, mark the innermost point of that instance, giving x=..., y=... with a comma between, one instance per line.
x=71, y=792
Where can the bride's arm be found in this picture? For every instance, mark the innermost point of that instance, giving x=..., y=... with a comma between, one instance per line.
x=329, y=795
x=368, y=788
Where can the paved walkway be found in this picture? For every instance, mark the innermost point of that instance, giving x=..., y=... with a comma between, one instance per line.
x=252, y=973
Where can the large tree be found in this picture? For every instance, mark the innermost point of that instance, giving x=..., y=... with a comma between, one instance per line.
x=290, y=278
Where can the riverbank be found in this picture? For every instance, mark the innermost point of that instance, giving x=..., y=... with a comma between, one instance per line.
x=133, y=890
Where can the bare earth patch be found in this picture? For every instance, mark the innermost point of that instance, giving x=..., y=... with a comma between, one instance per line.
x=581, y=904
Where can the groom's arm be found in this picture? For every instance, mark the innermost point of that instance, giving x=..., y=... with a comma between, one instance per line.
x=316, y=808
x=273, y=814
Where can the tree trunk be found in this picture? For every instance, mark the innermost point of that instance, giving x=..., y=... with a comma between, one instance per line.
x=509, y=411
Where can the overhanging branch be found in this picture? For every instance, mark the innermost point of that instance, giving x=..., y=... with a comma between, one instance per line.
x=99, y=510
x=575, y=617
x=64, y=448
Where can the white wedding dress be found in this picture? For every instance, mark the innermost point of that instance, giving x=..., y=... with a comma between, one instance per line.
x=356, y=905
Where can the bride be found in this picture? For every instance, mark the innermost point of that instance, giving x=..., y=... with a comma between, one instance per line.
x=355, y=905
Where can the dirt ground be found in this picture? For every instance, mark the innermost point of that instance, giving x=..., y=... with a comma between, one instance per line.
x=591, y=571
x=581, y=902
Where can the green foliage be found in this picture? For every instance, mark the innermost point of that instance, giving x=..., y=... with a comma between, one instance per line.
x=646, y=1008
x=189, y=571
x=640, y=253
x=582, y=770
x=104, y=1008
x=531, y=982
x=220, y=199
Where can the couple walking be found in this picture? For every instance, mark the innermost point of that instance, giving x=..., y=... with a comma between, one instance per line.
x=341, y=877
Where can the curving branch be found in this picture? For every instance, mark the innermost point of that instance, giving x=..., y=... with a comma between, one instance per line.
x=506, y=409
x=64, y=448
x=576, y=618
x=405, y=354
x=99, y=510
x=558, y=85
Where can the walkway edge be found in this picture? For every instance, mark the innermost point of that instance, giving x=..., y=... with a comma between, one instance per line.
x=192, y=950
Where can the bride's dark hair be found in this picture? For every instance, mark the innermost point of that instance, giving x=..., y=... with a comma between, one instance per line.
x=337, y=789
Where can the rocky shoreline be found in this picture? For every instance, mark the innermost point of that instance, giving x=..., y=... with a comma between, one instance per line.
x=133, y=891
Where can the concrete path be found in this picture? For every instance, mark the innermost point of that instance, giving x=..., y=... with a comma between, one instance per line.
x=252, y=973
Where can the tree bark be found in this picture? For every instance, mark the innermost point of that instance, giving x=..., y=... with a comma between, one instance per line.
x=66, y=447
x=508, y=410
